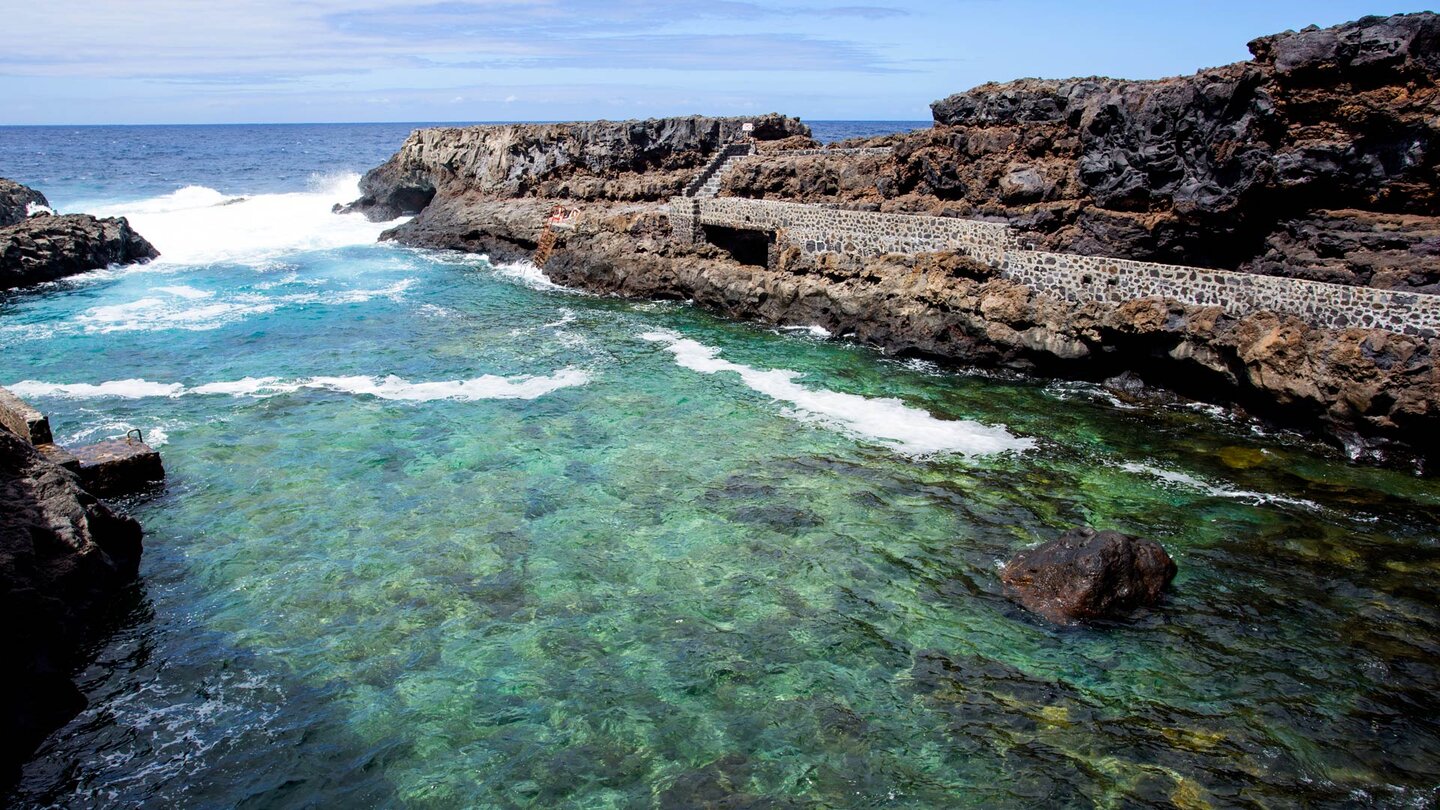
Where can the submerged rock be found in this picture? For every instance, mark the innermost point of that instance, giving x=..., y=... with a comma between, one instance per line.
x=48, y=247
x=63, y=557
x=1085, y=574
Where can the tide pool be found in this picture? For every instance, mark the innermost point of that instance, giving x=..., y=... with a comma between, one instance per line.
x=441, y=534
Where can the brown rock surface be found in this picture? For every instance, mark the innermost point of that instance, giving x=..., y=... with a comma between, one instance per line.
x=1085, y=574
x=1316, y=159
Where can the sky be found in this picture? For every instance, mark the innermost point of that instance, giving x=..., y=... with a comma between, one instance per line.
x=250, y=61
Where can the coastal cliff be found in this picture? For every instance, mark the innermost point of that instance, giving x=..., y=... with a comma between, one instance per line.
x=1316, y=160
x=45, y=246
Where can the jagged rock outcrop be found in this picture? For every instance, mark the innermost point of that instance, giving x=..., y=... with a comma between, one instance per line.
x=1085, y=574
x=64, y=556
x=47, y=247
x=1316, y=159
x=16, y=200
x=597, y=160
x=1326, y=138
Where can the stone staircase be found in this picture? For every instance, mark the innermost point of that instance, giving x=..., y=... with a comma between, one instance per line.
x=707, y=184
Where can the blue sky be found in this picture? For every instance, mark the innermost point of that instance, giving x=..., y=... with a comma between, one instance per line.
x=183, y=61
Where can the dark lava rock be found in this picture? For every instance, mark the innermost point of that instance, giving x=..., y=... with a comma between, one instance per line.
x=63, y=558
x=1087, y=574
x=15, y=201
x=118, y=467
x=591, y=160
x=48, y=247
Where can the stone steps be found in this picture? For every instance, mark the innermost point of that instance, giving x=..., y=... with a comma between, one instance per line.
x=107, y=469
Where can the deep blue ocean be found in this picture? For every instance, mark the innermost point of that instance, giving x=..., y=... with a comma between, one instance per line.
x=439, y=533
x=76, y=167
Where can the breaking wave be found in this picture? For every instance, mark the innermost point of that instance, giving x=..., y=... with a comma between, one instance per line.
x=199, y=225
x=882, y=419
x=488, y=386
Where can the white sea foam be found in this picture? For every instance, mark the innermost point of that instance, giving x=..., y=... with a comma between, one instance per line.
x=199, y=225
x=812, y=331
x=488, y=386
x=157, y=435
x=1187, y=481
x=566, y=317
x=34, y=208
x=886, y=420
x=529, y=274
x=196, y=310
x=186, y=292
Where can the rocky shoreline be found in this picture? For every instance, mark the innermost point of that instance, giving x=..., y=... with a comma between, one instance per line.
x=64, y=558
x=38, y=245
x=1317, y=158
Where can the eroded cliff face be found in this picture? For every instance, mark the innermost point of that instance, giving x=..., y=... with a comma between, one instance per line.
x=599, y=160
x=64, y=556
x=1317, y=159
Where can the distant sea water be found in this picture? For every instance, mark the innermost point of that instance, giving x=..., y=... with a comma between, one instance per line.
x=440, y=533
x=77, y=167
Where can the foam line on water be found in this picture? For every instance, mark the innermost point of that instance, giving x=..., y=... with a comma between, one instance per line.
x=200, y=225
x=529, y=274
x=184, y=307
x=1180, y=479
x=488, y=386
x=883, y=419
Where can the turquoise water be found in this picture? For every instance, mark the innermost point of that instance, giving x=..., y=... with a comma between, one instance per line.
x=438, y=534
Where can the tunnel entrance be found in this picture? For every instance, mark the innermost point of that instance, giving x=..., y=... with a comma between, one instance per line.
x=744, y=246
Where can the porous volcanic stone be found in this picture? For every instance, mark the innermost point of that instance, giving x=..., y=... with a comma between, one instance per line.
x=1088, y=574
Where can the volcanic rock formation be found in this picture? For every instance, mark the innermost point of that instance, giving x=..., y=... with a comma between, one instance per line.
x=63, y=558
x=1316, y=159
x=16, y=201
x=48, y=246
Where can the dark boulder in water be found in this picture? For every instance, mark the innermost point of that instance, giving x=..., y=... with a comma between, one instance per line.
x=48, y=247
x=1085, y=574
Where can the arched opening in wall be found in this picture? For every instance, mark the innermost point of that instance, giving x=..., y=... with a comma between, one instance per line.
x=744, y=246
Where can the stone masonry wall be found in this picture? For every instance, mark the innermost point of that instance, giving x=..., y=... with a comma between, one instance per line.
x=1070, y=277
x=854, y=151
x=868, y=233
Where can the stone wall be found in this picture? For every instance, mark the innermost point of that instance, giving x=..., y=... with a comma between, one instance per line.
x=1070, y=277
x=857, y=151
x=1334, y=306
x=868, y=233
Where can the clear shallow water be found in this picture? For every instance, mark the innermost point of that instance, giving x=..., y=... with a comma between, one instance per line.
x=438, y=534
